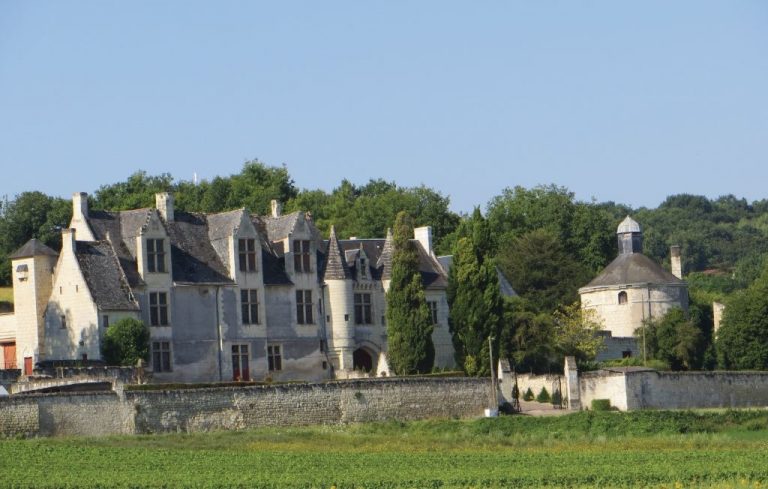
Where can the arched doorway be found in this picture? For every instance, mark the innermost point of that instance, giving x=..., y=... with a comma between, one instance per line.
x=362, y=360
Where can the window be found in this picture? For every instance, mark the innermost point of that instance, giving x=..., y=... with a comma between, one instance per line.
x=161, y=356
x=432, y=311
x=274, y=358
x=622, y=297
x=247, y=252
x=105, y=321
x=304, y=307
x=363, y=309
x=158, y=308
x=301, y=256
x=240, y=362
x=156, y=255
x=249, y=304
x=323, y=346
x=363, y=268
x=63, y=322
x=626, y=354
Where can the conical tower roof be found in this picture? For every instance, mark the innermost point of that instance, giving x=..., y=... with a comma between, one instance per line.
x=31, y=248
x=336, y=267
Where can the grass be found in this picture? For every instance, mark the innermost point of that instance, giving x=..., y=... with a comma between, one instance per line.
x=640, y=449
x=6, y=294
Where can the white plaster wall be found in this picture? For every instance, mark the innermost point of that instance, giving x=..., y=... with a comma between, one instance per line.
x=7, y=328
x=30, y=297
x=341, y=331
x=603, y=384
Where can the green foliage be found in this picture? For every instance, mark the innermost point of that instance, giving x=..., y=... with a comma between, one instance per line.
x=409, y=325
x=125, y=342
x=527, y=336
x=543, y=395
x=474, y=299
x=675, y=340
x=742, y=340
x=528, y=396
x=576, y=332
x=541, y=270
x=601, y=405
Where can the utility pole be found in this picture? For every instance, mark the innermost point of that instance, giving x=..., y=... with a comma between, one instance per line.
x=494, y=393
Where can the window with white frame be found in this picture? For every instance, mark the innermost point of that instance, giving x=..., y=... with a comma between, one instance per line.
x=158, y=309
x=304, y=307
x=274, y=358
x=246, y=249
x=240, y=367
x=161, y=356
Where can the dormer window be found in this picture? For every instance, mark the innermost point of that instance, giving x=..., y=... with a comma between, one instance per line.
x=363, y=268
x=301, y=256
x=246, y=249
x=156, y=255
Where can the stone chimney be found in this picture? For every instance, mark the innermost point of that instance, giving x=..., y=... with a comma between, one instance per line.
x=68, y=241
x=676, y=261
x=164, y=205
x=79, y=206
x=277, y=208
x=424, y=236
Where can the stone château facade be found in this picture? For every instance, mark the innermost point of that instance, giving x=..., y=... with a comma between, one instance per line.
x=226, y=296
x=631, y=289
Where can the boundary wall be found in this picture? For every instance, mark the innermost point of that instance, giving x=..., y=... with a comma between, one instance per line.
x=235, y=408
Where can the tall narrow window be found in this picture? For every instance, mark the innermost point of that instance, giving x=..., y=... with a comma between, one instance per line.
x=301, y=256
x=622, y=297
x=158, y=308
x=156, y=255
x=304, y=307
x=274, y=358
x=240, y=370
x=105, y=321
x=161, y=356
x=246, y=249
x=363, y=309
x=63, y=321
x=249, y=303
x=432, y=311
x=363, y=268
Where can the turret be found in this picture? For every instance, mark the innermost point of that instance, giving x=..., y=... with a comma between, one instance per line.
x=630, y=237
x=339, y=303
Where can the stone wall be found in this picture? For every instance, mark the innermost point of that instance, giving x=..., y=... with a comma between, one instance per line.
x=195, y=410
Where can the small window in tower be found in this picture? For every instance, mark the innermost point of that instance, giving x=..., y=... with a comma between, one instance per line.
x=622, y=297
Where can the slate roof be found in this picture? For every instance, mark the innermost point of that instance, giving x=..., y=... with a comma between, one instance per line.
x=105, y=279
x=335, y=263
x=278, y=228
x=633, y=268
x=628, y=225
x=193, y=258
x=31, y=248
x=224, y=224
x=121, y=229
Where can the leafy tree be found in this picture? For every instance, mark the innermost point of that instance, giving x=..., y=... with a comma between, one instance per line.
x=527, y=336
x=125, y=342
x=576, y=332
x=742, y=340
x=541, y=270
x=137, y=192
x=409, y=326
x=673, y=339
x=474, y=299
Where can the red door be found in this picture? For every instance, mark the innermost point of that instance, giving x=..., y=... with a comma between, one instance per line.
x=27, y=365
x=9, y=356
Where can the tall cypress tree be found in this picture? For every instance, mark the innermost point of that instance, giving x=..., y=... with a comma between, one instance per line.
x=409, y=327
x=474, y=298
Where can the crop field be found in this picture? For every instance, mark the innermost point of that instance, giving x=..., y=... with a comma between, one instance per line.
x=653, y=449
x=6, y=294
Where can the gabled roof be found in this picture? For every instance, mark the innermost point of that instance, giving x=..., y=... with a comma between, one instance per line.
x=224, y=224
x=193, y=257
x=106, y=282
x=633, y=269
x=31, y=248
x=278, y=228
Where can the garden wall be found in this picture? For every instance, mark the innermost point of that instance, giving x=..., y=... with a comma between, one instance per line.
x=193, y=410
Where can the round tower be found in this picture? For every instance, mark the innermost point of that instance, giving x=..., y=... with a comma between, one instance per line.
x=339, y=303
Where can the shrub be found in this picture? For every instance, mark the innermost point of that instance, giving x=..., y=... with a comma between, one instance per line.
x=543, y=396
x=528, y=396
x=601, y=405
x=125, y=342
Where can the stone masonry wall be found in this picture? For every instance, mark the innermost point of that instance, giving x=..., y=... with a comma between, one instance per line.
x=195, y=410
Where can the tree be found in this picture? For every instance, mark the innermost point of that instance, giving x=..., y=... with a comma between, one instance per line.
x=125, y=342
x=673, y=339
x=527, y=336
x=541, y=270
x=576, y=332
x=474, y=299
x=742, y=340
x=409, y=326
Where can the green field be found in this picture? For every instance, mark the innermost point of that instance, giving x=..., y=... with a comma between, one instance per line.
x=645, y=449
x=6, y=294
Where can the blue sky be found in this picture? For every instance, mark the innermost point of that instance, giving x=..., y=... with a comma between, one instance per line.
x=622, y=101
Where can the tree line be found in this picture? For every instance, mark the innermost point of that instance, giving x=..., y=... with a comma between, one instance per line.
x=543, y=239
